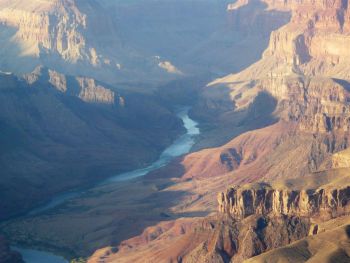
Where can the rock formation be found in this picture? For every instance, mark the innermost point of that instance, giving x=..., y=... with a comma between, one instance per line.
x=330, y=245
x=71, y=36
x=87, y=89
x=325, y=203
x=215, y=239
x=51, y=27
x=90, y=92
x=300, y=88
x=58, y=132
x=305, y=69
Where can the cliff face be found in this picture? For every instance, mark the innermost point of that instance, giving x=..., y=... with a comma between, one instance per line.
x=325, y=203
x=318, y=32
x=90, y=92
x=71, y=36
x=52, y=27
x=215, y=239
x=55, y=28
x=305, y=67
x=329, y=246
x=87, y=89
x=251, y=219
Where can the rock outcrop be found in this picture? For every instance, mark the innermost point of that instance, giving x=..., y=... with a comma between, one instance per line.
x=324, y=203
x=330, y=245
x=52, y=28
x=87, y=89
x=71, y=36
x=215, y=239
x=305, y=67
x=316, y=39
x=90, y=92
x=306, y=70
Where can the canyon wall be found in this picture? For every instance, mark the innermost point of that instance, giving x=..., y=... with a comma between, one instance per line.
x=74, y=37
x=87, y=89
x=305, y=68
x=58, y=132
x=325, y=203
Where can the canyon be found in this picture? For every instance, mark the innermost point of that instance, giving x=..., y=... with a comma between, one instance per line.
x=265, y=180
x=304, y=70
x=75, y=126
x=136, y=41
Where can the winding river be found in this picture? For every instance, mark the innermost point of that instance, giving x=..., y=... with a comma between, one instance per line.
x=180, y=146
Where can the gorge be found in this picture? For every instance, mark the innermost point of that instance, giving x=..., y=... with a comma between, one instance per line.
x=180, y=146
x=101, y=161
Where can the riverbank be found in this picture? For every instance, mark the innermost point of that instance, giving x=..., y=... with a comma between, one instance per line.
x=63, y=230
x=31, y=256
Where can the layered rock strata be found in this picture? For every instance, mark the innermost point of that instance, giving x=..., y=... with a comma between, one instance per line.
x=49, y=27
x=327, y=203
x=87, y=89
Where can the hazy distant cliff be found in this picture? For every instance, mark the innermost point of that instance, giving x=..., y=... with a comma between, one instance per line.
x=74, y=37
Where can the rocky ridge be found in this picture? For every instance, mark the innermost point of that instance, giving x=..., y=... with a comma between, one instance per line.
x=87, y=89
x=304, y=68
x=325, y=203
x=330, y=245
x=50, y=27
x=215, y=239
x=251, y=219
x=74, y=37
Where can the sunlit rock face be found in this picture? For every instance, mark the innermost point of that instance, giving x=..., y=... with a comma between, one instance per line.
x=52, y=27
x=308, y=203
x=72, y=36
x=317, y=38
x=305, y=67
x=49, y=26
x=87, y=89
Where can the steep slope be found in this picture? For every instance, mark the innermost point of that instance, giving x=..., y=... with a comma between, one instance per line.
x=302, y=57
x=331, y=245
x=60, y=132
x=245, y=225
x=72, y=36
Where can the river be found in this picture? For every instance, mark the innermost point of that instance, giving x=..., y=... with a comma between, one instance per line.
x=180, y=146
